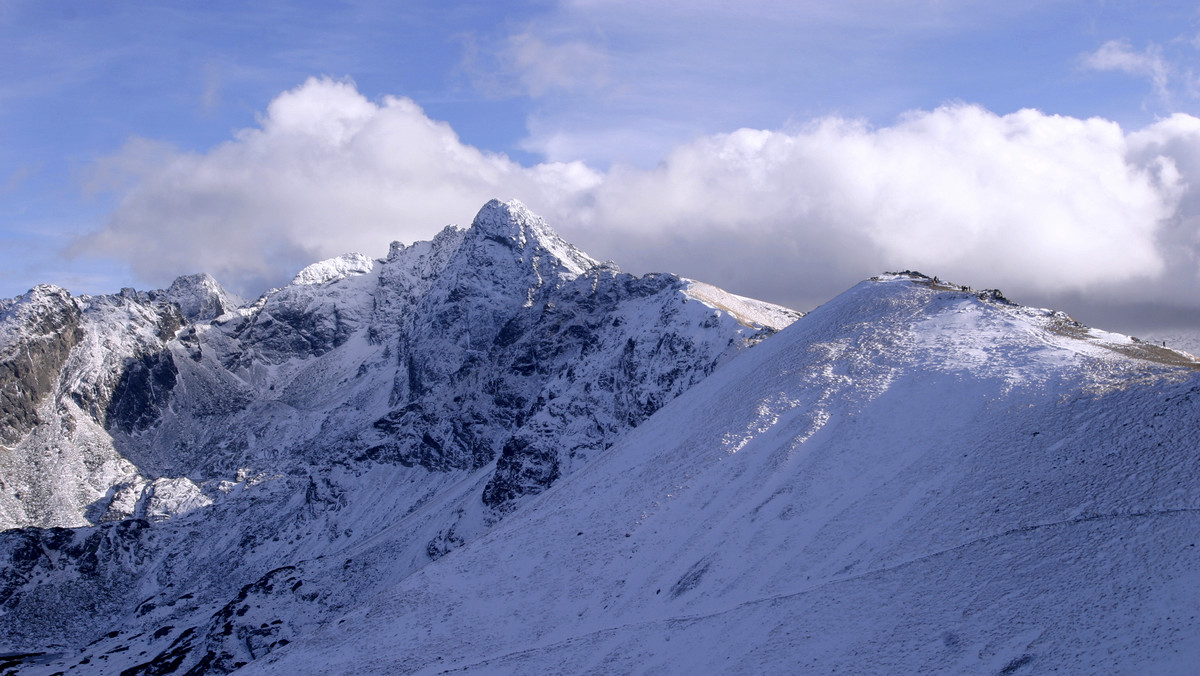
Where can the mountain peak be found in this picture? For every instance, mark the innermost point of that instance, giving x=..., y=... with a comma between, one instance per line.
x=512, y=224
x=504, y=219
x=333, y=269
x=32, y=308
x=200, y=297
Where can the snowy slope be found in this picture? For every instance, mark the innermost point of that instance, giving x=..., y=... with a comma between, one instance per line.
x=910, y=479
x=185, y=453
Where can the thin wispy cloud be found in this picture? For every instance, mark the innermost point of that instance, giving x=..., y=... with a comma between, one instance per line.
x=210, y=97
x=1119, y=55
x=605, y=70
x=526, y=64
x=543, y=67
x=17, y=177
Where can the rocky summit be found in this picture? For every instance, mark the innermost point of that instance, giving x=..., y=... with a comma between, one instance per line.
x=171, y=456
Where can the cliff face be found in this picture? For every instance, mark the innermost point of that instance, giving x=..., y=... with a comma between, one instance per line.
x=39, y=331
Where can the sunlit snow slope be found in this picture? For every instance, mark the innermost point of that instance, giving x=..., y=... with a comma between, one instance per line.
x=913, y=478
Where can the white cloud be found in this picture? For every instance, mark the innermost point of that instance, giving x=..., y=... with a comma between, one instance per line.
x=1031, y=203
x=326, y=172
x=1119, y=55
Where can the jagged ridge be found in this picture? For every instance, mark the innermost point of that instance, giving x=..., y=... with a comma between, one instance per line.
x=401, y=405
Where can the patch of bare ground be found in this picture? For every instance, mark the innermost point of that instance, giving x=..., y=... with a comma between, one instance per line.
x=1156, y=353
x=1138, y=349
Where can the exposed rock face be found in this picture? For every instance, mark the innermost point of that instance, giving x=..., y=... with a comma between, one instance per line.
x=386, y=410
x=97, y=561
x=201, y=298
x=142, y=392
x=81, y=373
x=37, y=332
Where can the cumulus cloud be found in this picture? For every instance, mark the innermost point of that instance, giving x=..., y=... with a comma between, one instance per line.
x=327, y=171
x=1032, y=203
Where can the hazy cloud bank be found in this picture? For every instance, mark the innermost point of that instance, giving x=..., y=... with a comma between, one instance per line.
x=1032, y=203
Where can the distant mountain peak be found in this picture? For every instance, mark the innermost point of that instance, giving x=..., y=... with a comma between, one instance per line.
x=35, y=310
x=333, y=269
x=200, y=297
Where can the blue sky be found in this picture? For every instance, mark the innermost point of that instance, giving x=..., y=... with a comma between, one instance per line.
x=1044, y=147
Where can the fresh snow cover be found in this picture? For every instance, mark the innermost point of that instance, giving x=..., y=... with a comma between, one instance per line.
x=334, y=269
x=213, y=482
x=17, y=312
x=67, y=461
x=910, y=479
x=200, y=297
x=514, y=222
x=490, y=453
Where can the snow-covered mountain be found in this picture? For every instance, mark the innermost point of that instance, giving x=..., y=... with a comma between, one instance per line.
x=168, y=454
x=913, y=478
x=489, y=453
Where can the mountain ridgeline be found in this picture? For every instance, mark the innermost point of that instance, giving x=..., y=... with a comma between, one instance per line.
x=187, y=440
x=490, y=453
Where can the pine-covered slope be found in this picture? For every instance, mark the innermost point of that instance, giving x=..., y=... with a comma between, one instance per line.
x=186, y=451
x=913, y=478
